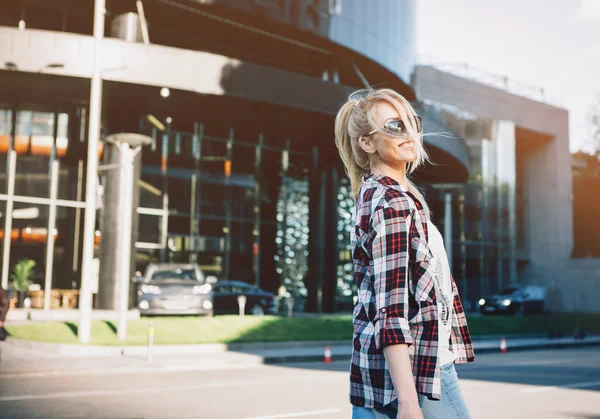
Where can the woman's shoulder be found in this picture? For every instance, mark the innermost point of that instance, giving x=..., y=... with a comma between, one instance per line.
x=377, y=197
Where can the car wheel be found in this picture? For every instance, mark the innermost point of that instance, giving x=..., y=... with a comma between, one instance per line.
x=258, y=311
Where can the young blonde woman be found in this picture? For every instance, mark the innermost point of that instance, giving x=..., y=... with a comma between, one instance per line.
x=409, y=323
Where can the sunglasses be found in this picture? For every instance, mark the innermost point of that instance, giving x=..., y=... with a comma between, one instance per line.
x=397, y=128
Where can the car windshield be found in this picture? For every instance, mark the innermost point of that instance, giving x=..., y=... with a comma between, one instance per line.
x=508, y=291
x=175, y=273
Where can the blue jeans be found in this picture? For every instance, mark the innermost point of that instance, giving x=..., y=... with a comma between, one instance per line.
x=451, y=405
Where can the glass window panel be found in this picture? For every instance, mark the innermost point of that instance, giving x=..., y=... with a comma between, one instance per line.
x=149, y=228
x=180, y=194
x=151, y=187
x=179, y=224
x=62, y=134
x=34, y=142
x=5, y=133
x=212, y=200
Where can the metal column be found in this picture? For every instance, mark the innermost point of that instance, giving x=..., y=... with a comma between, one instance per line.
x=257, y=191
x=89, y=226
x=227, y=260
x=196, y=197
x=127, y=156
x=164, y=225
x=50, y=232
x=448, y=226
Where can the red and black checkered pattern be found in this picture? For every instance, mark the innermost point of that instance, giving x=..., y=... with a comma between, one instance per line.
x=396, y=295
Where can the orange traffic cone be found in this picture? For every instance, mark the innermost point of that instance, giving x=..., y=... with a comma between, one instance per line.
x=327, y=358
x=503, y=347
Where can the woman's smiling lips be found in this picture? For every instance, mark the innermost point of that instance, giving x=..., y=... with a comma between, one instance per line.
x=407, y=144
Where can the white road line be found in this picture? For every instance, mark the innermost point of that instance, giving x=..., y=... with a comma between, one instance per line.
x=142, y=370
x=299, y=414
x=476, y=367
x=550, y=388
x=120, y=392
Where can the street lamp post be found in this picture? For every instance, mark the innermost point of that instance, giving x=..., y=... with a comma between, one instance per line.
x=89, y=226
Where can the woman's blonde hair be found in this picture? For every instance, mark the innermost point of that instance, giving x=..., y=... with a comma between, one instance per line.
x=355, y=119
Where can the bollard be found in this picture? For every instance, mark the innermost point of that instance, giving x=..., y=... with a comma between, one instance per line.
x=150, y=340
x=503, y=346
x=327, y=356
x=242, y=304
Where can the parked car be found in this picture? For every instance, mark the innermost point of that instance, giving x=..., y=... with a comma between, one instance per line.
x=174, y=288
x=258, y=301
x=517, y=300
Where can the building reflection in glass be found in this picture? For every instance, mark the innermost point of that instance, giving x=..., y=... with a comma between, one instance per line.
x=484, y=217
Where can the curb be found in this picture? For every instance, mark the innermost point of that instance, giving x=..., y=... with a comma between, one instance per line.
x=233, y=359
x=25, y=315
x=273, y=353
x=77, y=350
x=542, y=344
x=345, y=353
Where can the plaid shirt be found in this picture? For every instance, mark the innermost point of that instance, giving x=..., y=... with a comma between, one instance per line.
x=396, y=295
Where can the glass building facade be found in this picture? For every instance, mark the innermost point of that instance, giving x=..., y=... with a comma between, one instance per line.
x=45, y=193
x=250, y=189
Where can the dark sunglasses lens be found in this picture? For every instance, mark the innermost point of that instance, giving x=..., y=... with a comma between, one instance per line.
x=397, y=126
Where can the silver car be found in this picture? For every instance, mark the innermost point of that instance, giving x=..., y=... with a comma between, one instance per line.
x=174, y=288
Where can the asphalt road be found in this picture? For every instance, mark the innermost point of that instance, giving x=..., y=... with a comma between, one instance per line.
x=563, y=383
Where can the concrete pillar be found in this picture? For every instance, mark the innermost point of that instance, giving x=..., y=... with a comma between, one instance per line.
x=112, y=222
x=448, y=226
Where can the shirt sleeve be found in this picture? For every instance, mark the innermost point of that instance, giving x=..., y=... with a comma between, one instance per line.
x=390, y=252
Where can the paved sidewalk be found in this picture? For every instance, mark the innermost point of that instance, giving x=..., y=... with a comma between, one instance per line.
x=23, y=357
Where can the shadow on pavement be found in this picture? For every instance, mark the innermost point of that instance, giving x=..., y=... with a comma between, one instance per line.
x=576, y=368
x=73, y=327
x=111, y=326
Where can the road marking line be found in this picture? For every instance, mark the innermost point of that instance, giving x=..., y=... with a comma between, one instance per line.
x=118, y=392
x=142, y=370
x=550, y=388
x=476, y=367
x=299, y=414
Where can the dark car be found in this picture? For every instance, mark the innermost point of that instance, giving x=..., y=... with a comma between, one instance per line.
x=258, y=301
x=174, y=288
x=517, y=300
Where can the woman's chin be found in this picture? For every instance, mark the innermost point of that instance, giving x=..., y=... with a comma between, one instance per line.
x=408, y=156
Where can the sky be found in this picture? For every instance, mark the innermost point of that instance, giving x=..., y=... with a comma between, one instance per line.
x=551, y=44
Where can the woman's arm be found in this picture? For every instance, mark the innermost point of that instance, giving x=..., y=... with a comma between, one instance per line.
x=390, y=253
x=398, y=362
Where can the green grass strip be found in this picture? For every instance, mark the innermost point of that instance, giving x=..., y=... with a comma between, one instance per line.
x=234, y=329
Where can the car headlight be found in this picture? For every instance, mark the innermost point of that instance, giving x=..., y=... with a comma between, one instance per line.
x=201, y=289
x=482, y=302
x=506, y=302
x=150, y=289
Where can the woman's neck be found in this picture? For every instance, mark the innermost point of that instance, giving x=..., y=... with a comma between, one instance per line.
x=398, y=174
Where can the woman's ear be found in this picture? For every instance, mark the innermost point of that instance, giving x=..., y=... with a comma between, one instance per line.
x=367, y=145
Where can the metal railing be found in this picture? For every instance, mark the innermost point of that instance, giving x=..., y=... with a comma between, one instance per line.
x=516, y=87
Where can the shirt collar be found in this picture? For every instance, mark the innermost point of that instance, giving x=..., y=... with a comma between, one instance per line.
x=384, y=180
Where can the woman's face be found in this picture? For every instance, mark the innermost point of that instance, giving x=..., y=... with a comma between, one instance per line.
x=392, y=150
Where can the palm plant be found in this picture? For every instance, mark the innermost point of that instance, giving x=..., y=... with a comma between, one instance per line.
x=22, y=273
